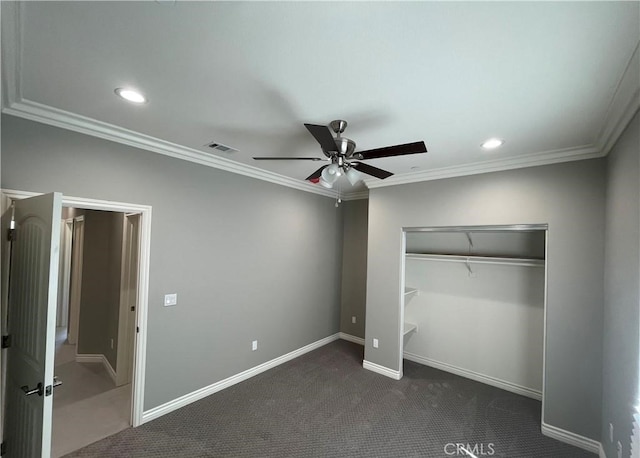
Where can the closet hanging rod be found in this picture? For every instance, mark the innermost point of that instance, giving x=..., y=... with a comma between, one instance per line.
x=525, y=262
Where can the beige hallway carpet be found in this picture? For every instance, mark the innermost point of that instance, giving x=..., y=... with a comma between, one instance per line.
x=87, y=406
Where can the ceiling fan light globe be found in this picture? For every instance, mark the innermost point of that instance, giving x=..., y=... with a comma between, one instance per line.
x=325, y=183
x=330, y=174
x=333, y=169
x=353, y=176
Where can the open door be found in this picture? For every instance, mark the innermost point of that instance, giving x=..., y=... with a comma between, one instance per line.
x=31, y=319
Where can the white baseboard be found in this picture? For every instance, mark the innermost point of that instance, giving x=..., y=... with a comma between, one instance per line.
x=350, y=338
x=182, y=401
x=601, y=453
x=86, y=358
x=574, y=439
x=396, y=375
x=97, y=358
x=498, y=383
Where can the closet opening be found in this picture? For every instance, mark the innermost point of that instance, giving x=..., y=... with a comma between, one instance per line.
x=474, y=303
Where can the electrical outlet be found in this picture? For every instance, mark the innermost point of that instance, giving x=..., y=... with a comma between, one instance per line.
x=170, y=299
x=254, y=345
x=112, y=344
x=611, y=432
x=375, y=343
x=353, y=319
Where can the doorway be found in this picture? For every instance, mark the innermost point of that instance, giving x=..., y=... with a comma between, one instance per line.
x=138, y=218
x=98, y=277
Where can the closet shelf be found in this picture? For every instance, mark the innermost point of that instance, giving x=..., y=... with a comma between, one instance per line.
x=474, y=259
x=408, y=327
x=409, y=293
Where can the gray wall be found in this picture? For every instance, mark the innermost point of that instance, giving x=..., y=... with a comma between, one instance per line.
x=249, y=260
x=570, y=198
x=354, y=267
x=100, y=291
x=622, y=289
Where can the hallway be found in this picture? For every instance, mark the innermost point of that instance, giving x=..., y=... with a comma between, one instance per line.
x=87, y=406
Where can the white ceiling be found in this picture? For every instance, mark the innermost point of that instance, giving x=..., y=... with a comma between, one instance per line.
x=545, y=76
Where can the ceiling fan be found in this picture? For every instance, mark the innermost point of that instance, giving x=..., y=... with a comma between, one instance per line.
x=340, y=151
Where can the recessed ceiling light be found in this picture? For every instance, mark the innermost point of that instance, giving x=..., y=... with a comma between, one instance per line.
x=492, y=143
x=131, y=95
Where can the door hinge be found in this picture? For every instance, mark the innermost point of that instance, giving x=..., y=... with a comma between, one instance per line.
x=11, y=235
x=137, y=329
x=3, y=448
x=6, y=341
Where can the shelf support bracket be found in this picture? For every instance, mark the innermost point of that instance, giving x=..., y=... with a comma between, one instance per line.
x=470, y=240
x=466, y=263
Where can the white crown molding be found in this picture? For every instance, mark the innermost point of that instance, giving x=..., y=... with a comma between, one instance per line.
x=624, y=104
x=496, y=165
x=356, y=195
x=35, y=111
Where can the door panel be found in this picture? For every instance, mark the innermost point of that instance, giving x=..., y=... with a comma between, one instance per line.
x=31, y=324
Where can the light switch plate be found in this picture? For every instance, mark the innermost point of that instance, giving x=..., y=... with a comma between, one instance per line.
x=170, y=299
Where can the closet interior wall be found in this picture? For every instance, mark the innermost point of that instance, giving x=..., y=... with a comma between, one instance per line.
x=474, y=304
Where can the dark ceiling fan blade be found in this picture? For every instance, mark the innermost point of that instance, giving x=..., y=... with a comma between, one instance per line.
x=323, y=135
x=371, y=170
x=397, y=150
x=315, y=175
x=265, y=158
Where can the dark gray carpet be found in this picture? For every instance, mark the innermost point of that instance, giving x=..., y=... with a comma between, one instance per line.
x=324, y=404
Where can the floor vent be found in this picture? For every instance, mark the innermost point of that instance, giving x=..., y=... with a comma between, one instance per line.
x=220, y=147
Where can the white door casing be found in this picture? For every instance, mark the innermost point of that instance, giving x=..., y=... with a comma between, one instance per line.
x=32, y=324
x=76, y=279
x=64, y=274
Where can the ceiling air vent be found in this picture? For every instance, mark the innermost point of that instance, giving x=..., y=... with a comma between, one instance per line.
x=220, y=147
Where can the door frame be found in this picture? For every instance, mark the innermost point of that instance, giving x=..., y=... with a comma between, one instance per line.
x=64, y=273
x=75, y=276
x=140, y=341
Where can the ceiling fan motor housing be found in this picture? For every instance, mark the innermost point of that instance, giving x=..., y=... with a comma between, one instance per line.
x=345, y=146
